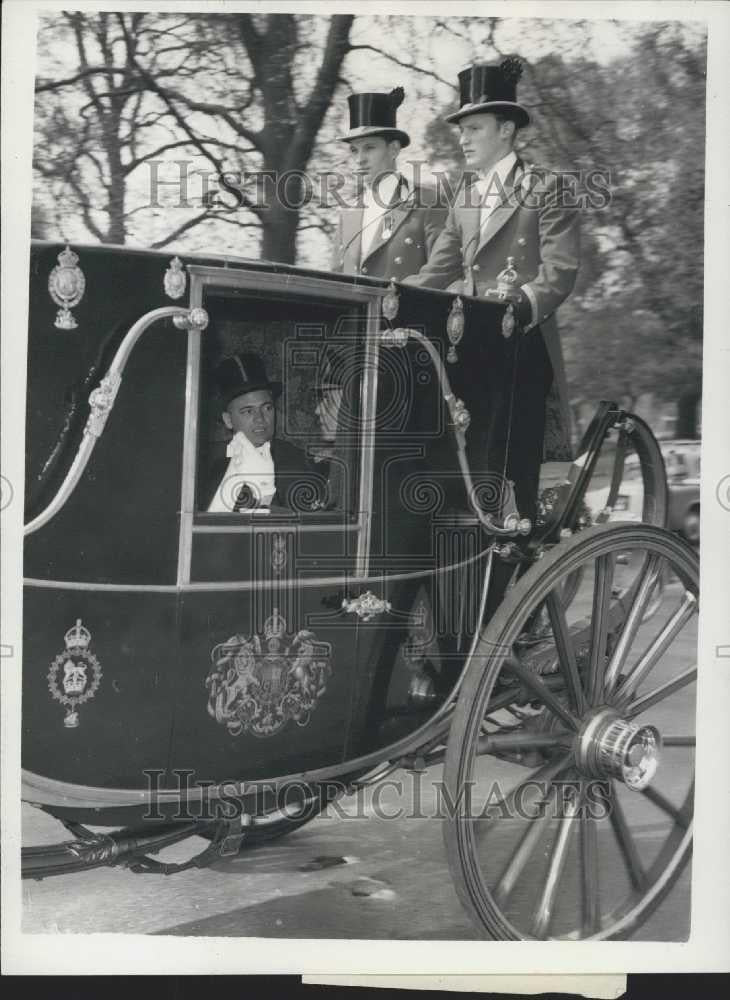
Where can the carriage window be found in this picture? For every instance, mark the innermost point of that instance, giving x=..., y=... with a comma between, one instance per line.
x=279, y=414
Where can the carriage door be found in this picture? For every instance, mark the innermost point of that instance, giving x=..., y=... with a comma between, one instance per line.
x=426, y=546
x=266, y=672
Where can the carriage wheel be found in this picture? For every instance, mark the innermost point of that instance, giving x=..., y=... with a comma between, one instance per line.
x=636, y=462
x=603, y=714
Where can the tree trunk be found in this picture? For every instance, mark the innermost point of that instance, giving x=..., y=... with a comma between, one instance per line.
x=687, y=414
x=279, y=235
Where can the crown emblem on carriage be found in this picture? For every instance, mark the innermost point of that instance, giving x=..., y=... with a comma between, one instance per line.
x=75, y=674
x=78, y=637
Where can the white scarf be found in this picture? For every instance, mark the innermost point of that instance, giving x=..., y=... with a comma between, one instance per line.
x=249, y=466
x=375, y=209
x=491, y=186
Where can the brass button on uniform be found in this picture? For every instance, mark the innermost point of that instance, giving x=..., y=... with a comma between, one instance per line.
x=364, y=270
x=521, y=241
x=408, y=241
x=398, y=260
x=475, y=267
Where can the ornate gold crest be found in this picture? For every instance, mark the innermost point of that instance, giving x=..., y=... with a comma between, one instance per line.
x=508, y=322
x=176, y=279
x=455, y=328
x=75, y=674
x=66, y=286
x=256, y=687
x=390, y=302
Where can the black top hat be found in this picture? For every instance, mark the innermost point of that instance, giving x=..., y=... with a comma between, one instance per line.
x=242, y=373
x=374, y=114
x=491, y=88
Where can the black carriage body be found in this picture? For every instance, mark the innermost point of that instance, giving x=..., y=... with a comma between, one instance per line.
x=161, y=639
x=176, y=657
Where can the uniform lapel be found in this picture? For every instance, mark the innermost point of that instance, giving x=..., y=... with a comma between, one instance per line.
x=351, y=234
x=470, y=228
x=401, y=206
x=502, y=211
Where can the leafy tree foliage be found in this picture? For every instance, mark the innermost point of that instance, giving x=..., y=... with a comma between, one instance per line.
x=634, y=323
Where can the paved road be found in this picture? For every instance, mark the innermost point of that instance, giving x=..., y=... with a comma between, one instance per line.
x=348, y=874
x=357, y=877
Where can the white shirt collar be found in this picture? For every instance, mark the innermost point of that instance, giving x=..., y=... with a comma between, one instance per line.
x=387, y=186
x=500, y=172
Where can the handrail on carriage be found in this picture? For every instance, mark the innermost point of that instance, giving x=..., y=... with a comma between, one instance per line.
x=512, y=524
x=101, y=401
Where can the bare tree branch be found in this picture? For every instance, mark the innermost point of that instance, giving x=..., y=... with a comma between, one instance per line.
x=404, y=65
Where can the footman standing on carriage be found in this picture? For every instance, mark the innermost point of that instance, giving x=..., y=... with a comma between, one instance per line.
x=394, y=224
x=510, y=235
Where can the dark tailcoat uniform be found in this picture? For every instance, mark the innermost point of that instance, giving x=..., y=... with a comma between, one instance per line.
x=291, y=472
x=531, y=224
x=404, y=236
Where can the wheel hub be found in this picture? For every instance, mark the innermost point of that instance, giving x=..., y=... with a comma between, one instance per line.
x=611, y=747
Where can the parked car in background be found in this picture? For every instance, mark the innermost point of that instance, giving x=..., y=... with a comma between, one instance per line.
x=682, y=463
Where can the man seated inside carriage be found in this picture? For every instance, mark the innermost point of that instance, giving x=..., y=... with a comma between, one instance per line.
x=259, y=469
x=326, y=456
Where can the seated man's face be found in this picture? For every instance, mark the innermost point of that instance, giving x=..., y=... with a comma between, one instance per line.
x=254, y=414
x=327, y=409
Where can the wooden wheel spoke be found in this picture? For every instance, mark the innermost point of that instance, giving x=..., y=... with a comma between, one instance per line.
x=644, y=589
x=541, y=691
x=522, y=854
x=656, y=649
x=591, y=885
x=603, y=583
x=678, y=741
x=566, y=652
x=545, y=774
x=626, y=843
x=504, y=700
x=546, y=906
x=522, y=740
x=658, y=694
x=663, y=803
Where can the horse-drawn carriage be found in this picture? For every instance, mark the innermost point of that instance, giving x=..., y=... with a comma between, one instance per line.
x=228, y=674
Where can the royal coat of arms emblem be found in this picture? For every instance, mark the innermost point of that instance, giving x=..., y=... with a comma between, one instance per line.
x=66, y=285
x=75, y=674
x=256, y=687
